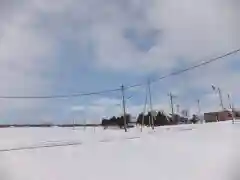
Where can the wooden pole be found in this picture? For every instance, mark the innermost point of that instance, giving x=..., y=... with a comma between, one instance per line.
x=144, y=110
x=199, y=110
x=172, y=108
x=198, y=105
x=150, y=101
x=221, y=99
x=124, y=108
x=231, y=107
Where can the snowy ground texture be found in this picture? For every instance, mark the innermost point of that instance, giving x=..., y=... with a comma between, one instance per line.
x=186, y=152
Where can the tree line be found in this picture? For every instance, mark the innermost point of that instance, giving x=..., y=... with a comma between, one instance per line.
x=161, y=119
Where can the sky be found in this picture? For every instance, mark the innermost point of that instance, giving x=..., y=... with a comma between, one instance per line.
x=50, y=47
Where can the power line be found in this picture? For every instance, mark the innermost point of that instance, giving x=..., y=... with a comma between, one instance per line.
x=127, y=87
x=61, y=96
x=188, y=68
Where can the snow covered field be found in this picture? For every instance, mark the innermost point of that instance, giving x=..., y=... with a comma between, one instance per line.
x=194, y=152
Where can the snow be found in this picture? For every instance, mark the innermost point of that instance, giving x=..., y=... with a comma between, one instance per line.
x=194, y=152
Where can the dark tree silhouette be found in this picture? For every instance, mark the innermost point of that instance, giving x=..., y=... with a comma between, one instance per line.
x=116, y=121
x=160, y=120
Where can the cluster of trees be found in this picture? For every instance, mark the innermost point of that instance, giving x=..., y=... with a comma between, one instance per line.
x=160, y=119
x=116, y=121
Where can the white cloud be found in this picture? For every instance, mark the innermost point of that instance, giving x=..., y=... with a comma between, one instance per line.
x=187, y=30
x=190, y=30
x=24, y=56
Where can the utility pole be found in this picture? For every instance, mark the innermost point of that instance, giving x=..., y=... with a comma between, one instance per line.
x=171, y=101
x=199, y=110
x=231, y=107
x=233, y=114
x=150, y=101
x=218, y=90
x=124, y=108
x=144, y=109
x=221, y=99
x=172, y=105
x=229, y=101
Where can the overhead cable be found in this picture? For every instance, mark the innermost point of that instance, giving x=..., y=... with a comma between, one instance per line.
x=202, y=63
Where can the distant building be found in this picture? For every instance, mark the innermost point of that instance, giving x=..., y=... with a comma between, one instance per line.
x=220, y=116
